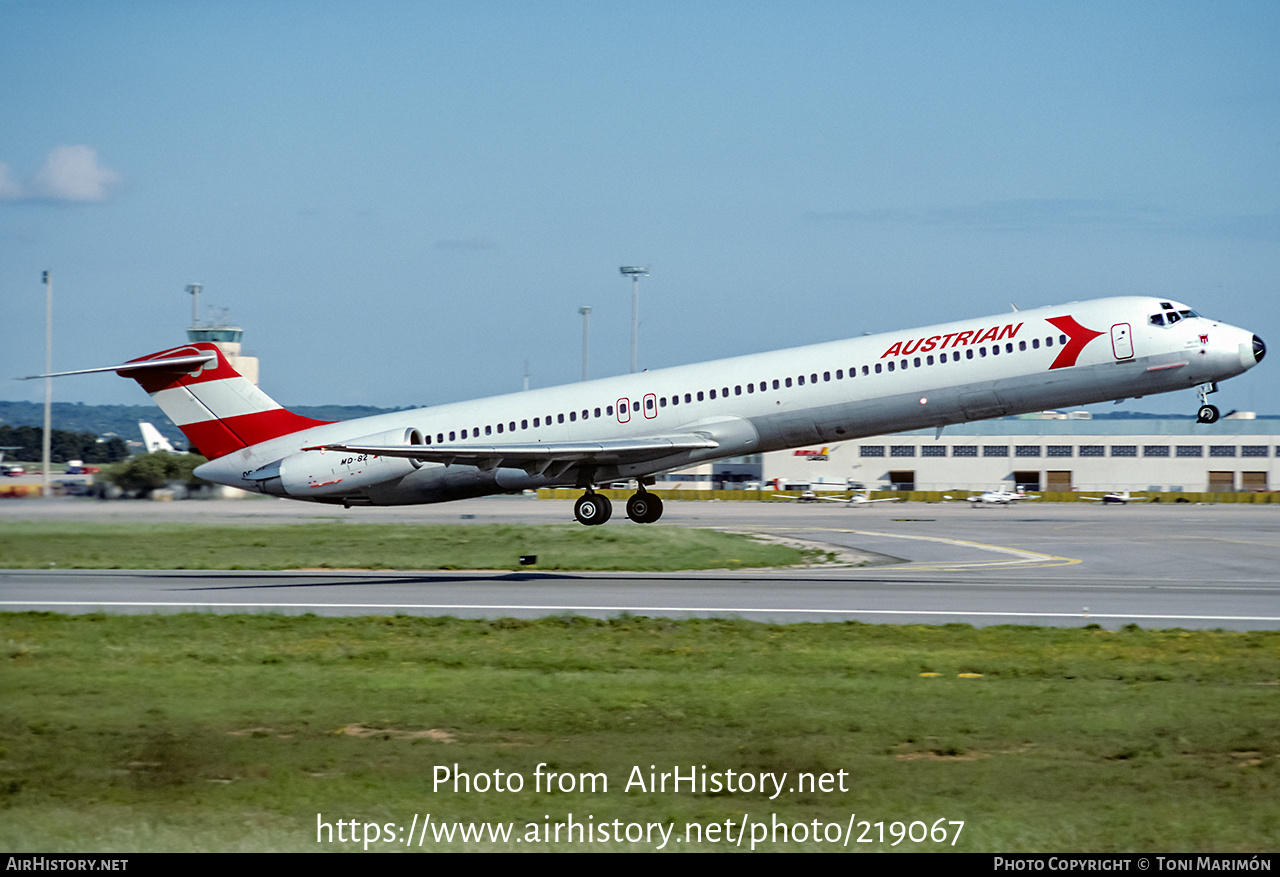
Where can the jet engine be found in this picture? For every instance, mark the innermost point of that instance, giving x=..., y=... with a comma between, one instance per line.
x=331, y=475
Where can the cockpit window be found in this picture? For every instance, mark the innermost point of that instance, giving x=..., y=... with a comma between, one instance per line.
x=1173, y=317
x=1157, y=319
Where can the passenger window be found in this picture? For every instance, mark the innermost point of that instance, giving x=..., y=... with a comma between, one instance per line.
x=499, y=429
x=524, y=424
x=1022, y=345
x=916, y=361
x=751, y=388
x=635, y=406
x=995, y=350
x=559, y=418
x=699, y=395
x=877, y=368
x=725, y=392
x=648, y=403
x=929, y=359
x=1048, y=342
x=1035, y=342
x=488, y=430
x=775, y=383
x=597, y=412
x=713, y=394
x=1062, y=339
x=800, y=380
x=839, y=374
x=891, y=365
x=464, y=433
x=968, y=354
x=866, y=370
x=737, y=390
x=826, y=376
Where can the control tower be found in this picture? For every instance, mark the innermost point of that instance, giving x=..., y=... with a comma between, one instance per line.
x=225, y=337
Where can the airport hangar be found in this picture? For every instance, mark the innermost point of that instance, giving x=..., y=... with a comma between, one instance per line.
x=1048, y=452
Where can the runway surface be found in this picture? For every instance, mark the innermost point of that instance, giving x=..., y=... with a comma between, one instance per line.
x=1070, y=564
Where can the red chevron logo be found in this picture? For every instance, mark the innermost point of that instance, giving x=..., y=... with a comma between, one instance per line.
x=1077, y=337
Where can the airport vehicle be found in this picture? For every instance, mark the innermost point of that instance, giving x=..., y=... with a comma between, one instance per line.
x=999, y=496
x=1118, y=497
x=633, y=426
x=11, y=469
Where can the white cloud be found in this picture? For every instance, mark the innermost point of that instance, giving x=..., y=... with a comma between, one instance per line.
x=69, y=173
x=72, y=173
x=9, y=188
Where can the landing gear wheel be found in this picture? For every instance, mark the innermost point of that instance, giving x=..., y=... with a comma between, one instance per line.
x=644, y=508
x=1207, y=414
x=592, y=509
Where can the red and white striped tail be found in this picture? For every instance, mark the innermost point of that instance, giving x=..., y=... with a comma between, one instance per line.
x=216, y=407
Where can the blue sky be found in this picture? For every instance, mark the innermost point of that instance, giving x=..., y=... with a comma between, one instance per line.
x=401, y=203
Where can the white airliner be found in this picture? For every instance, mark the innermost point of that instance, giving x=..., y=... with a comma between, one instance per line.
x=154, y=439
x=636, y=425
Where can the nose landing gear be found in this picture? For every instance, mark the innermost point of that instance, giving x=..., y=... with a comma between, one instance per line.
x=1207, y=413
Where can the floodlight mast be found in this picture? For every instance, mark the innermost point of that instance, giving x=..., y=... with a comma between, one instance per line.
x=635, y=274
x=585, y=310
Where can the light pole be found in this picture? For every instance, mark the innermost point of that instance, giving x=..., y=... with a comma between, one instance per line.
x=585, y=310
x=47, y=490
x=635, y=274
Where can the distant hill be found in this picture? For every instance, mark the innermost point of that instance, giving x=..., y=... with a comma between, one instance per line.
x=122, y=420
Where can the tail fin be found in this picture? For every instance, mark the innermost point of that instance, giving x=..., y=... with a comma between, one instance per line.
x=216, y=407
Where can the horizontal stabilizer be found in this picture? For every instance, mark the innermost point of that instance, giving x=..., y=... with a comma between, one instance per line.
x=129, y=369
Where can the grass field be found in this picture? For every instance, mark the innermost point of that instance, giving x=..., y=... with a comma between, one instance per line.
x=338, y=545
x=208, y=732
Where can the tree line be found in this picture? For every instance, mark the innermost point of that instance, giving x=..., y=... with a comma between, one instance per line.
x=63, y=445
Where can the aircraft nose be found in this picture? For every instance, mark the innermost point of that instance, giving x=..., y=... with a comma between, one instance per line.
x=1259, y=349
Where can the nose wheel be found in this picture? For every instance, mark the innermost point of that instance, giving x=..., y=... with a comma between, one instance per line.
x=644, y=507
x=592, y=509
x=1207, y=413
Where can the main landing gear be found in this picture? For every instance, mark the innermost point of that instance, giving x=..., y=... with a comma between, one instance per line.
x=592, y=508
x=643, y=507
x=1207, y=413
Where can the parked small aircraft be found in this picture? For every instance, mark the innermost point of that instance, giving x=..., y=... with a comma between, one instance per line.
x=1119, y=497
x=999, y=496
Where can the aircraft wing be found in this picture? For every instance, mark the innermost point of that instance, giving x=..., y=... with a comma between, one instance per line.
x=537, y=457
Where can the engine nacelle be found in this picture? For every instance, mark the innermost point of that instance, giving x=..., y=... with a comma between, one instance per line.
x=332, y=474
